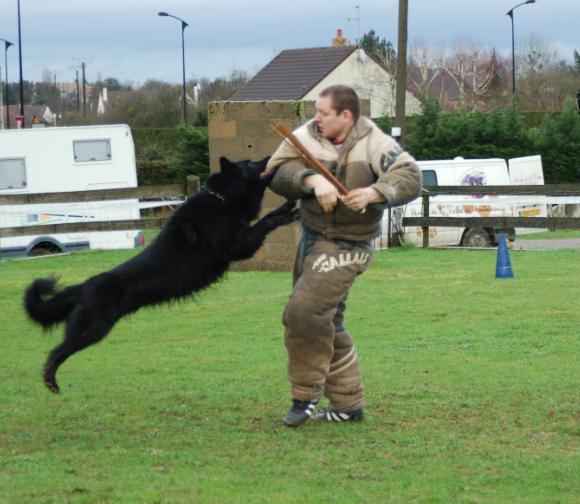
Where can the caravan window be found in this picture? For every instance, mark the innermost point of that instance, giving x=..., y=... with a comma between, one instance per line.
x=12, y=173
x=429, y=178
x=92, y=150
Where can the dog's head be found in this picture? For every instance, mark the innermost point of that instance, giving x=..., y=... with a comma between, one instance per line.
x=241, y=184
x=248, y=171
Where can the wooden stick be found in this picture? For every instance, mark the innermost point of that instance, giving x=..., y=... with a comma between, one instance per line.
x=285, y=134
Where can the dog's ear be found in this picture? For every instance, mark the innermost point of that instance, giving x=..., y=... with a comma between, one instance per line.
x=260, y=166
x=229, y=168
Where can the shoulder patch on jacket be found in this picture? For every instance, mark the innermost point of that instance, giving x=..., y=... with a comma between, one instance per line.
x=387, y=160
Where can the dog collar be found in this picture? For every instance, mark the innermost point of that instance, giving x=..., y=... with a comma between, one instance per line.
x=217, y=195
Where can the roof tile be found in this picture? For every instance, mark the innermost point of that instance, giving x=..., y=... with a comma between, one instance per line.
x=292, y=73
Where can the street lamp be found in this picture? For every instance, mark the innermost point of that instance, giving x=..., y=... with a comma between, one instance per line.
x=510, y=13
x=183, y=26
x=6, y=46
x=20, y=62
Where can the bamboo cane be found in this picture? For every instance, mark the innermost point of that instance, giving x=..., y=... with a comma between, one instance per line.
x=286, y=135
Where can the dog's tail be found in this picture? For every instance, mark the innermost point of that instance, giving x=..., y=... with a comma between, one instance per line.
x=47, y=307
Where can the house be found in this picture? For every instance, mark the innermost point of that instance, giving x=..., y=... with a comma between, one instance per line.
x=300, y=74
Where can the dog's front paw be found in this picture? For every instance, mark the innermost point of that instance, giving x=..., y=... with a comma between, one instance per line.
x=284, y=209
x=285, y=214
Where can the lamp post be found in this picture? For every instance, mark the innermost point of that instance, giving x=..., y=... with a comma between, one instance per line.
x=6, y=46
x=183, y=26
x=510, y=13
x=20, y=63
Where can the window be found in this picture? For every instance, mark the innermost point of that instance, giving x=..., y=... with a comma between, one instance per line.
x=12, y=173
x=429, y=178
x=92, y=150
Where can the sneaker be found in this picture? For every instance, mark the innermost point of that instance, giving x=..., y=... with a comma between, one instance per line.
x=343, y=416
x=299, y=412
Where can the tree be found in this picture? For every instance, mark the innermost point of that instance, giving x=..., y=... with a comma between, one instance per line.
x=113, y=84
x=45, y=93
x=470, y=134
x=14, y=92
x=422, y=69
x=155, y=104
x=192, y=156
x=380, y=50
x=558, y=141
x=544, y=79
x=576, y=67
x=221, y=88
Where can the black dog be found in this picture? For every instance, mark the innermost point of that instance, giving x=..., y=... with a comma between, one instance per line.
x=193, y=250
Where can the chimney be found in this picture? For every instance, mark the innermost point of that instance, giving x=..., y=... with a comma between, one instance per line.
x=339, y=40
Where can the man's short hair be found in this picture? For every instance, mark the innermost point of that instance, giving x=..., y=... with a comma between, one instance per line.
x=343, y=98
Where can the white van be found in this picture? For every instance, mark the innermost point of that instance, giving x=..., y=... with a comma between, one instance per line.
x=83, y=158
x=474, y=172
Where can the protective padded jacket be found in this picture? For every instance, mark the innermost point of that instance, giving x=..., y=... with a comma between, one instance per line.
x=367, y=158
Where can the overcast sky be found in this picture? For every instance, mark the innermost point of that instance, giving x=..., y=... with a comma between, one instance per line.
x=127, y=40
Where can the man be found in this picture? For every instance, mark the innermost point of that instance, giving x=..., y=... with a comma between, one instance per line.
x=335, y=246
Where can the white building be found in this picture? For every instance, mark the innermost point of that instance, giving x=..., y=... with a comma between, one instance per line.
x=300, y=74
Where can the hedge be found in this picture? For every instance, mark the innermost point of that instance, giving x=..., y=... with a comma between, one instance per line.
x=168, y=155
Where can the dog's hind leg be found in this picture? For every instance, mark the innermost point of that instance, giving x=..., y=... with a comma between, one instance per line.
x=84, y=327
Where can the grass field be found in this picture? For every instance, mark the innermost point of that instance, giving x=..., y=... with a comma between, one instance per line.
x=560, y=234
x=472, y=387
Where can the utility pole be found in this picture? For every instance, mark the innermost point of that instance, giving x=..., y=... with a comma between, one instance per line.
x=84, y=91
x=1, y=102
x=56, y=94
x=401, y=69
x=20, y=61
x=78, y=91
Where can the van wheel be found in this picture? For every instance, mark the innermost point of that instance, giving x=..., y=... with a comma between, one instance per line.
x=476, y=237
x=43, y=249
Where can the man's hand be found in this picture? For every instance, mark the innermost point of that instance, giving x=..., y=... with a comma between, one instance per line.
x=358, y=199
x=325, y=192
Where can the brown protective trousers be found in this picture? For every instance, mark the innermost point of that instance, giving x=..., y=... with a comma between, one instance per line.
x=322, y=359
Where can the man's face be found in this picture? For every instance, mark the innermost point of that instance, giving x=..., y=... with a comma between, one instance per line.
x=332, y=126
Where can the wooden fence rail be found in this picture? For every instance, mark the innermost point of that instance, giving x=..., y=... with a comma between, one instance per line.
x=145, y=192
x=192, y=185
x=425, y=221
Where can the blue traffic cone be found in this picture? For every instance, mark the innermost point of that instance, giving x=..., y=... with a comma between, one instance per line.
x=503, y=268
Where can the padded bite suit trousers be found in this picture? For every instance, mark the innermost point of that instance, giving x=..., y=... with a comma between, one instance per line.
x=322, y=359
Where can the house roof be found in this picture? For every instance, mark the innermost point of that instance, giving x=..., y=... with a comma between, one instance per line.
x=292, y=73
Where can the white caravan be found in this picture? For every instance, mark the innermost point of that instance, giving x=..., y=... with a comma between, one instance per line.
x=475, y=172
x=48, y=160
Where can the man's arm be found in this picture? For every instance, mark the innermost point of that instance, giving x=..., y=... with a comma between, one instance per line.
x=399, y=178
x=357, y=199
x=326, y=194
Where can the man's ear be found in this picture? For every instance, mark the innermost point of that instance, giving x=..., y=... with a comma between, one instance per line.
x=227, y=167
x=347, y=114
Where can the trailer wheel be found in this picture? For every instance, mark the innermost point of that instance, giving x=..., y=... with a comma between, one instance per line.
x=476, y=237
x=44, y=248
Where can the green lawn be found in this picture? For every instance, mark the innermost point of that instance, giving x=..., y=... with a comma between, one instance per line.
x=472, y=387
x=560, y=234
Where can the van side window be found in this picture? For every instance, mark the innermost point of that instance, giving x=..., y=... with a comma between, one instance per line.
x=12, y=173
x=92, y=150
x=429, y=178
